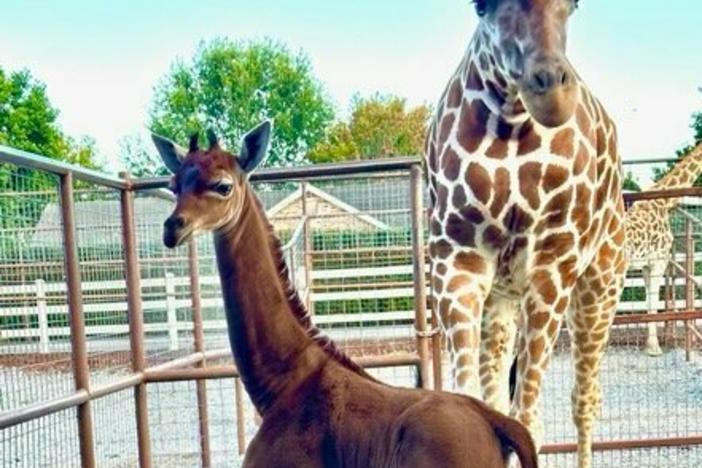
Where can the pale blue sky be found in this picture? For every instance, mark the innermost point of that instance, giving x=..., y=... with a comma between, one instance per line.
x=100, y=60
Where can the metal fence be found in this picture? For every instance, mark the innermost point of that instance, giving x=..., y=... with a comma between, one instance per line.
x=113, y=349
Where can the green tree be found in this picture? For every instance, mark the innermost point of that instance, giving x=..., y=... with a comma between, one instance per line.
x=232, y=86
x=630, y=183
x=139, y=157
x=380, y=126
x=28, y=122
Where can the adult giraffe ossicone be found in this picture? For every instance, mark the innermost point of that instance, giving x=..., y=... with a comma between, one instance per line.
x=319, y=409
x=527, y=213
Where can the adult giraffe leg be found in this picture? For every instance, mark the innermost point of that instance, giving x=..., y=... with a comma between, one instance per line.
x=653, y=278
x=496, y=350
x=541, y=309
x=460, y=288
x=595, y=302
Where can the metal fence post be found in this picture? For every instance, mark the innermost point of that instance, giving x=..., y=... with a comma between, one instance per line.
x=42, y=316
x=199, y=346
x=79, y=350
x=689, y=284
x=136, y=323
x=418, y=264
x=171, y=315
x=307, y=249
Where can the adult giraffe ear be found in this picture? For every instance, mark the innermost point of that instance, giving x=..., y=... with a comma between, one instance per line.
x=172, y=154
x=254, y=146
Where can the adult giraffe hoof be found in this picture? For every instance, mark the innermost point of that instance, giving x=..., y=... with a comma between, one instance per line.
x=653, y=349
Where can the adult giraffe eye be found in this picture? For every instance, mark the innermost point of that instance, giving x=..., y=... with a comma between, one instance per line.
x=222, y=188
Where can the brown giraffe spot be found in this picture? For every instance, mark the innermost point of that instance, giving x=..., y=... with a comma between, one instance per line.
x=441, y=268
x=436, y=228
x=459, y=196
x=538, y=320
x=529, y=182
x=554, y=177
x=502, y=191
x=562, y=143
x=580, y=215
x=460, y=231
x=580, y=160
x=497, y=150
x=537, y=347
x=552, y=327
x=612, y=144
x=517, y=220
x=440, y=249
x=455, y=95
x=470, y=261
x=469, y=301
x=558, y=243
x=445, y=130
x=474, y=81
x=473, y=125
x=495, y=93
x=558, y=208
x=438, y=286
x=567, y=271
x=529, y=140
x=544, y=285
x=518, y=107
x=457, y=282
x=472, y=214
x=484, y=65
x=561, y=305
x=583, y=120
x=501, y=82
x=478, y=180
x=493, y=237
x=444, y=309
x=450, y=164
x=601, y=141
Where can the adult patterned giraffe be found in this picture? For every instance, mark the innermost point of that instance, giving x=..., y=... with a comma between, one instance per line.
x=649, y=237
x=527, y=213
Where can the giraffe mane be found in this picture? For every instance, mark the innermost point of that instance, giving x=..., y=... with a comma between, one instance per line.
x=297, y=307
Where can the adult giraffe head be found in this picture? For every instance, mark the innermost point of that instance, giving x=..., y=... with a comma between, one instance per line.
x=209, y=183
x=528, y=40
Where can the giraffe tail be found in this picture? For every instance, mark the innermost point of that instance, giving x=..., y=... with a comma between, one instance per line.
x=515, y=437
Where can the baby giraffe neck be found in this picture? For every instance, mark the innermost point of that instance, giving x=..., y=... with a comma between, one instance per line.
x=271, y=350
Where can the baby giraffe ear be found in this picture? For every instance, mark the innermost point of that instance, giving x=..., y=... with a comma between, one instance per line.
x=254, y=146
x=172, y=154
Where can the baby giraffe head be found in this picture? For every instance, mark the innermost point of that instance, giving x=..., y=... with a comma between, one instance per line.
x=209, y=184
x=528, y=40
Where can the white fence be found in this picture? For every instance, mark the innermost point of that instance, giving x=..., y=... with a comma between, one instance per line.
x=163, y=296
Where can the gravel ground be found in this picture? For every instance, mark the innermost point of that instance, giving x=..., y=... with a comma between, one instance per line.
x=644, y=398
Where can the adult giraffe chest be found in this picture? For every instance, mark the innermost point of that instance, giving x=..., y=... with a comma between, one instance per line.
x=522, y=194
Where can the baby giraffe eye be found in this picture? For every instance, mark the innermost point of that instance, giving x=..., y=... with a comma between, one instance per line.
x=222, y=188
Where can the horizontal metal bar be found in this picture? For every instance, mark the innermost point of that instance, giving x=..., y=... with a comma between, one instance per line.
x=42, y=163
x=633, y=162
x=659, y=317
x=185, y=361
x=117, y=386
x=625, y=444
x=660, y=194
x=43, y=408
x=229, y=371
x=306, y=172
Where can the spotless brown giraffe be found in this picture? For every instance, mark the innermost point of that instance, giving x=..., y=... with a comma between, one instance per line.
x=527, y=213
x=318, y=408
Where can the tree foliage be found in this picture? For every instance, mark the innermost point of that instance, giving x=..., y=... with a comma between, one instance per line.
x=232, y=86
x=630, y=183
x=28, y=122
x=380, y=126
